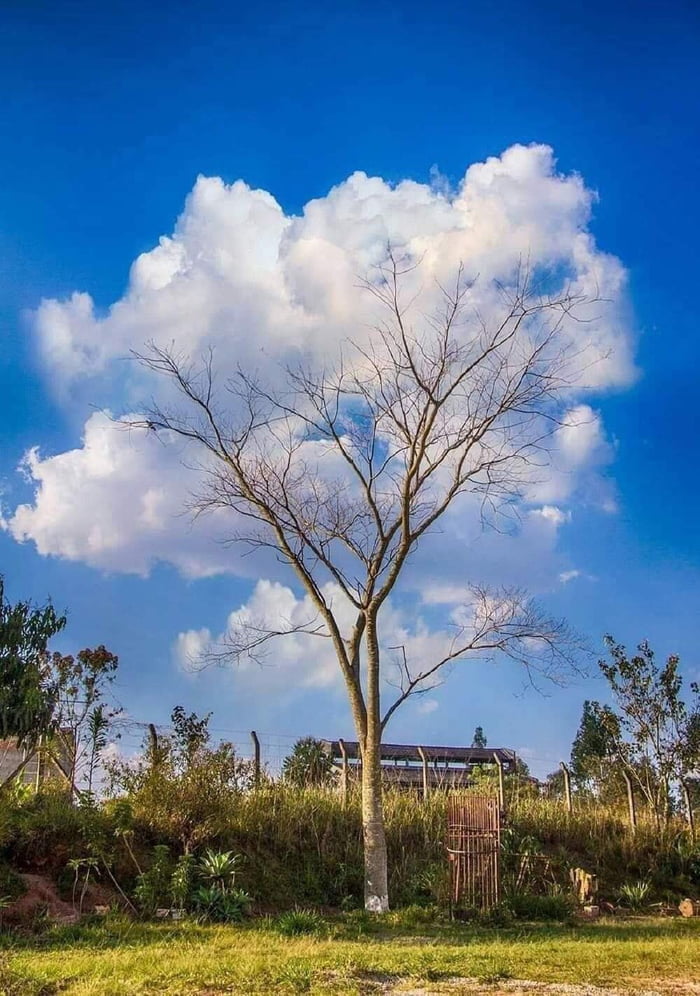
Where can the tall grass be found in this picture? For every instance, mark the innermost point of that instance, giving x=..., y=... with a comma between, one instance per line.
x=304, y=847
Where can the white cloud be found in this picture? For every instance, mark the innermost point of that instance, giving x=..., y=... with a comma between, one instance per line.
x=427, y=706
x=191, y=646
x=240, y=274
x=579, y=450
x=115, y=503
x=298, y=660
x=550, y=513
x=567, y=576
x=526, y=552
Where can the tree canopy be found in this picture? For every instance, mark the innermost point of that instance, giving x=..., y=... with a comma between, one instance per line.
x=308, y=764
x=479, y=738
x=28, y=693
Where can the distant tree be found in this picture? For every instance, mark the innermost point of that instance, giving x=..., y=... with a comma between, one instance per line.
x=554, y=784
x=656, y=735
x=27, y=692
x=595, y=746
x=82, y=716
x=479, y=740
x=308, y=764
x=522, y=768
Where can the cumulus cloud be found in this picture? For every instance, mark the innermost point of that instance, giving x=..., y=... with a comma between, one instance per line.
x=300, y=660
x=275, y=644
x=259, y=285
x=116, y=503
x=239, y=272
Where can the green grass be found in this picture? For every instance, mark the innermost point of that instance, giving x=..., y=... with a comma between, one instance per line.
x=355, y=956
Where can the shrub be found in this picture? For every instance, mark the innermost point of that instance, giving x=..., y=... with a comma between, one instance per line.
x=557, y=906
x=185, y=788
x=182, y=881
x=498, y=916
x=216, y=906
x=299, y=921
x=153, y=886
x=11, y=885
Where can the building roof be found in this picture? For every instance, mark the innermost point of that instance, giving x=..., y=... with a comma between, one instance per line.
x=467, y=756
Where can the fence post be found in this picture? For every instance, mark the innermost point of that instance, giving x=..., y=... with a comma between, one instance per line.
x=256, y=762
x=153, y=737
x=426, y=785
x=567, y=785
x=346, y=772
x=501, y=791
x=39, y=757
x=688, y=808
x=630, y=801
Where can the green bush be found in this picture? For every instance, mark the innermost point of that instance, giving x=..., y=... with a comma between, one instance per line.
x=153, y=886
x=299, y=921
x=182, y=881
x=11, y=885
x=558, y=906
x=499, y=916
x=213, y=905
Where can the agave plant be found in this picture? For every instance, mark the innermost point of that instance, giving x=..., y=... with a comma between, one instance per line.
x=636, y=894
x=219, y=868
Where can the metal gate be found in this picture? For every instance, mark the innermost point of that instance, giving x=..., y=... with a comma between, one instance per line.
x=473, y=847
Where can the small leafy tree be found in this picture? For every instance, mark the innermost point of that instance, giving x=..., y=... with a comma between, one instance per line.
x=308, y=764
x=154, y=885
x=182, y=880
x=27, y=694
x=85, y=868
x=655, y=735
x=83, y=716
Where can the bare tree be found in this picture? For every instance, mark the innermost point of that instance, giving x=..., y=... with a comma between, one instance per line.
x=342, y=472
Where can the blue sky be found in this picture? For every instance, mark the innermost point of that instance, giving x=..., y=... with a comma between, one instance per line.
x=110, y=113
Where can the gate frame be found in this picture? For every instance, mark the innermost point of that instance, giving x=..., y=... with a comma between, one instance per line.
x=474, y=849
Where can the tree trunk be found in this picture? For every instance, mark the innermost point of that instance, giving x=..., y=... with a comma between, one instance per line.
x=374, y=839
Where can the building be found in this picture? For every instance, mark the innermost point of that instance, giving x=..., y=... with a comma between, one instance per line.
x=415, y=766
x=34, y=767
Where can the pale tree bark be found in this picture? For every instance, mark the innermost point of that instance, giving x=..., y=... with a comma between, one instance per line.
x=342, y=473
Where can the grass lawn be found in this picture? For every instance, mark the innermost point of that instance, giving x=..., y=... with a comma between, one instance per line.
x=120, y=958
